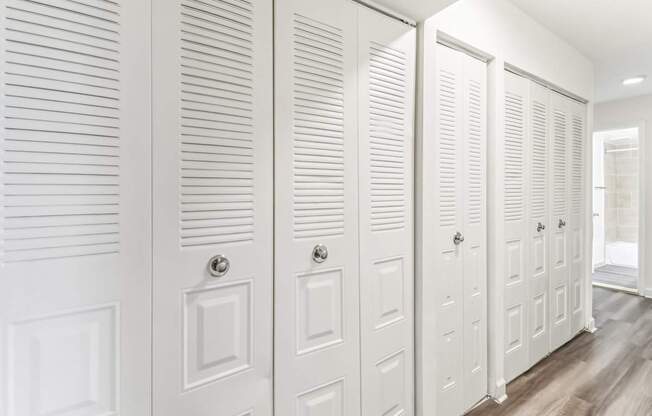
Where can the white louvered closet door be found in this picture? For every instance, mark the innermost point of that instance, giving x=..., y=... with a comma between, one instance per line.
x=74, y=286
x=474, y=168
x=576, y=215
x=515, y=224
x=317, y=341
x=558, y=232
x=460, y=143
x=386, y=69
x=449, y=269
x=212, y=134
x=538, y=223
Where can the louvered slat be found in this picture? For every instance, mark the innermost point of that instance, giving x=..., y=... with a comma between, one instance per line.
x=559, y=162
x=447, y=148
x=318, y=125
x=474, y=153
x=387, y=92
x=577, y=164
x=514, y=140
x=217, y=146
x=61, y=165
x=539, y=129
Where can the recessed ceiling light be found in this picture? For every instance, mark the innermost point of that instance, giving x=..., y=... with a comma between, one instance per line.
x=634, y=80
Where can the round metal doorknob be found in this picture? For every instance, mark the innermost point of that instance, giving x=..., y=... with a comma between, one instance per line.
x=319, y=253
x=561, y=224
x=218, y=266
x=458, y=238
x=540, y=227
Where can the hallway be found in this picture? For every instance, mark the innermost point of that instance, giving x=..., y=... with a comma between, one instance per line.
x=606, y=373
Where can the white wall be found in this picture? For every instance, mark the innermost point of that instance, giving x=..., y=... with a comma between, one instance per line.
x=498, y=29
x=633, y=112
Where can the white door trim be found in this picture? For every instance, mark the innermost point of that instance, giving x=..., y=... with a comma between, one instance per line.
x=642, y=183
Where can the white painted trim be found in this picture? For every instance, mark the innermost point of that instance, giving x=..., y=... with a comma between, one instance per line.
x=495, y=232
x=588, y=218
x=642, y=212
x=591, y=328
x=451, y=42
x=387, y=12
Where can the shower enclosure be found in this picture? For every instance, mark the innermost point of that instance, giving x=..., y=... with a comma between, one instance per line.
x=616, y=213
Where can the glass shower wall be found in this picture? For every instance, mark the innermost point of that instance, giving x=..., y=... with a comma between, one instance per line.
x=622, y=204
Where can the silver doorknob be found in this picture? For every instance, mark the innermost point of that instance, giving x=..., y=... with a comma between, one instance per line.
x=319, y=253
x=540, y=227
x=218, y=266
x=458, y=238
x=561, y=224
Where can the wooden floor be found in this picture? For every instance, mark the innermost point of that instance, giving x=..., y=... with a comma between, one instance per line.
x=605, y=373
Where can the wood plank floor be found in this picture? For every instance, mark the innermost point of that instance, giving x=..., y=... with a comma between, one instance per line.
x=605, y=373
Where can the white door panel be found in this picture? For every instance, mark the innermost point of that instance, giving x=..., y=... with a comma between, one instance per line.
x=212, y=140
x=515, y=220
x=543, y=208
x=538, y=224
x=449, y=267
x=317, y=341
x=386, y=73
x=74, y=292
x=460, y=143
x=558, y=233
x=474, y=167
x=577, y=213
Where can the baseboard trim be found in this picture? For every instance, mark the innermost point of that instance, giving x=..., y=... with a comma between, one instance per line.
x=590, y=327
x=499, y=395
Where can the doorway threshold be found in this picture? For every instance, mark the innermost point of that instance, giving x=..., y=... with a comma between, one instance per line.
x=616, y=287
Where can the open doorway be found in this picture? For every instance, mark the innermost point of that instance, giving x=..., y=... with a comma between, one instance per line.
x=616, y=208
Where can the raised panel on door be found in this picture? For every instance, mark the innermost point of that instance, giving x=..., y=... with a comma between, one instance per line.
x=212, y=167
x=515, y=224
x=576, y=215
x=317, y=341
x=74, y=166
x=474, y=166
x=386, y=74
x=538, y=223
x=448, y=213
x=559, y=291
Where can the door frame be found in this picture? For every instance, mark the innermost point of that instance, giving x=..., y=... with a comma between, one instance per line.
x=428, y=36
x=594, y=140
x=642, y=183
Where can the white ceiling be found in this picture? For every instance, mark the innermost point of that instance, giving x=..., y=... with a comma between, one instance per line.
x=418, y=10
x=615, y=34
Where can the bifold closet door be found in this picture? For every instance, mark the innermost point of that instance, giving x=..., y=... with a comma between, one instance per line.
x=317, y=321
x=560, y=331
x=74, y=286
x=474, y=170
x=212, y=204
x=515, y=153
x=386, y=68
x=544, y=143
x=459, y=256
x=538, y=223
x=577, y=139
